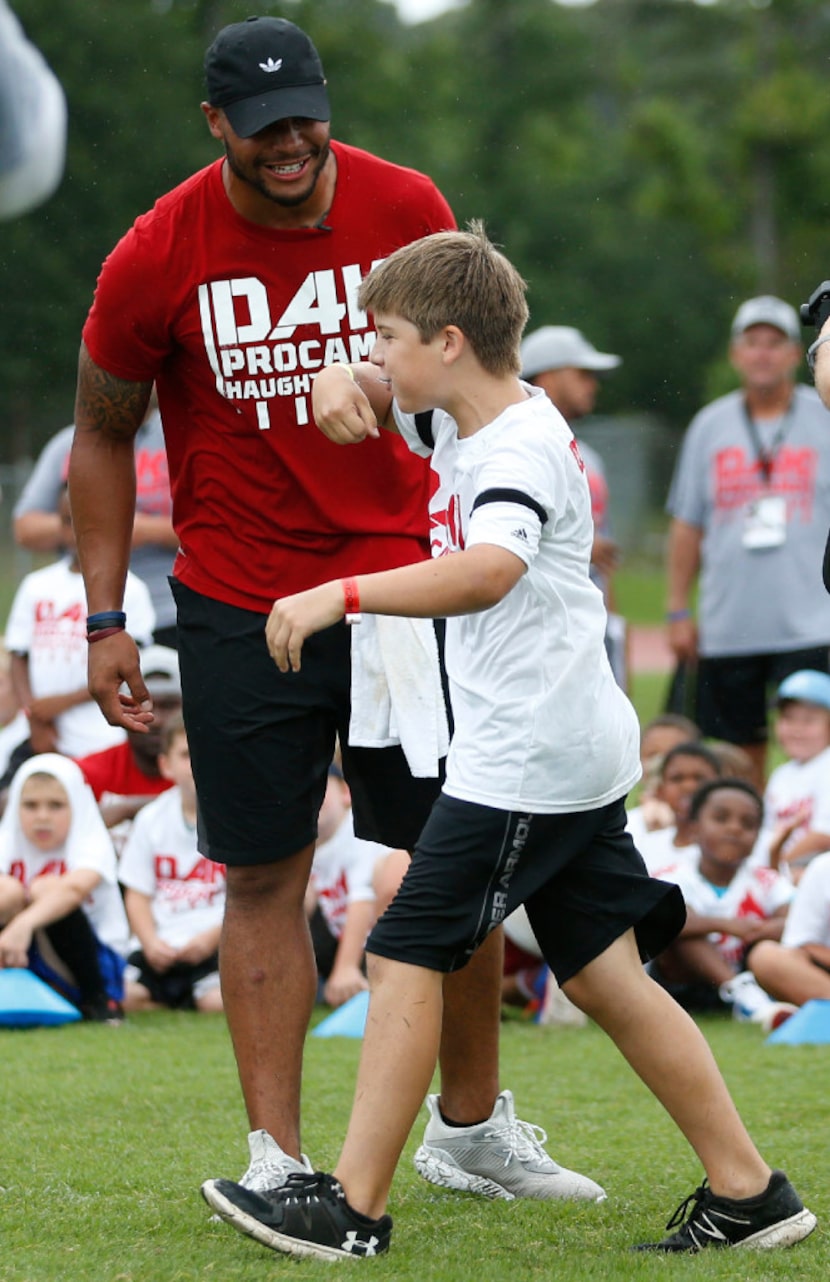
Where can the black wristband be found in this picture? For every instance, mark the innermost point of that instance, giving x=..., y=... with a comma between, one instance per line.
x=105, y=619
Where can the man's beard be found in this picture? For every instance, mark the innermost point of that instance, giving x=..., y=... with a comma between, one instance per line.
x=287, y=202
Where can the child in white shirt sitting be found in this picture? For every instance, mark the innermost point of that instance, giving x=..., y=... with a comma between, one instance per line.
x=730, y=906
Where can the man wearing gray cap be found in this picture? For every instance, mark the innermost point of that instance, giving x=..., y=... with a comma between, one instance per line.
x=560, y=360
x=232, y=293
x=750, y=506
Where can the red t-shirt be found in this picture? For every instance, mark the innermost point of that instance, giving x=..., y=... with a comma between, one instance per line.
x=233, y=320
x=113, y=772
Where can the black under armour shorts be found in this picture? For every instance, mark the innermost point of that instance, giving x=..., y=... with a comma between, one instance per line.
x=579, y=875
x=261, y=740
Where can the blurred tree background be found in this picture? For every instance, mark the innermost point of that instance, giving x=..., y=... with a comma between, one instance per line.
x=645, y=163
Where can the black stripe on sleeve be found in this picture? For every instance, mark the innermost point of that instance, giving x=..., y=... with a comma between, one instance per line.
x=423, y=426
x=510, y=496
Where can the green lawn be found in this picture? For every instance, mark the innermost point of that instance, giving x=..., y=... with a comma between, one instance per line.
x=108, y=1133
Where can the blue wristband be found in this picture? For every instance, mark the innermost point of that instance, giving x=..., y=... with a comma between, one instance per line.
x=677, y=616
x=105, y=619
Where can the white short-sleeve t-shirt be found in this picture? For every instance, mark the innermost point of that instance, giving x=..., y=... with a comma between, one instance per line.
x=540, y=722
x=753, y=892
x=808, y=920
x=161, y=860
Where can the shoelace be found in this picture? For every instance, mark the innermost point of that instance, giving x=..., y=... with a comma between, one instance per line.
x=314, y=1184
x=690, y=1205
x=271, y=1172
x=523, y=1140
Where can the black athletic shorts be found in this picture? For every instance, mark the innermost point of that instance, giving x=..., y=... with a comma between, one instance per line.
x=579, y=876
x=261, y=740
x=734, y=691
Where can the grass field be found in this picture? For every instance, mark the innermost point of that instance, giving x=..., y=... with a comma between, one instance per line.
x=108, y=1133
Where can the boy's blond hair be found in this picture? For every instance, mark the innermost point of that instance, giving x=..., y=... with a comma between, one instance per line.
x=454, y=278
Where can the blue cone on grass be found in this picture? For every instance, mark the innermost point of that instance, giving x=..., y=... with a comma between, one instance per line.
x=26, y=1002
x=809, y=1025
x=349, y=1020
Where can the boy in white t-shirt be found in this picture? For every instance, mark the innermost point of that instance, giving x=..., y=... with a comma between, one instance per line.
x=46, y=635
x=797, y=796
x=341, y=897
x=175, y=898
x=545, y=749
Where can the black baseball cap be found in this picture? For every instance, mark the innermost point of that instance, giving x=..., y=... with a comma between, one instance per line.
x=262, y=70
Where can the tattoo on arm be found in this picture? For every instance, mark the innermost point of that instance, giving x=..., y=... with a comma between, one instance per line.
x=113, y=406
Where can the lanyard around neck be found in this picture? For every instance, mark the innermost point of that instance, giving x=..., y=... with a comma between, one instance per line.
x=766, y=458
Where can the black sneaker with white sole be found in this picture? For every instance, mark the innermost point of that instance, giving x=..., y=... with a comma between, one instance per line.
x=776, y=1217
x=308, y=1216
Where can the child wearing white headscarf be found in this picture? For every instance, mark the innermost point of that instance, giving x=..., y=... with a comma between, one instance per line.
x=61, y=912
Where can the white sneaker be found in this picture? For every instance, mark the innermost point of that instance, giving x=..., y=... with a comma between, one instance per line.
x=750, y=1004
x=500, y=1158
x=268, y=1168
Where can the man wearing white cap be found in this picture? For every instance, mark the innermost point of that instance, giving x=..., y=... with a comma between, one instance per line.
x=560, y=360
x=750, y=507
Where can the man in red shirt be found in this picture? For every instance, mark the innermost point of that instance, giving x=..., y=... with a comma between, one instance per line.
x=232, y=293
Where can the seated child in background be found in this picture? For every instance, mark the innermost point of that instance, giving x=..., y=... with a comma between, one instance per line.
x=175, y=898
x=797, y=796
x=730, y=906
x=656, y=738
x=685, y=767
x=46, y=636
x=127, y=776
x=60, y=906
x=341, y=899
x=528, y=980
x=525, y=969
x=797, y=969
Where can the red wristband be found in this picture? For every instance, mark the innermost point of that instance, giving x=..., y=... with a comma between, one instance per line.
x=102, y=634
x=351, y=598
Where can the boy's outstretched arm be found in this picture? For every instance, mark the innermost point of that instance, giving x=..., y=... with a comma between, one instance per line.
x=460, y=583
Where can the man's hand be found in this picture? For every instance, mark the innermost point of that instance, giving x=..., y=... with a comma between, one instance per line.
x=112, y=662
x=682, y=638
x=817, y=308
x=341, y=409
x=293, y=618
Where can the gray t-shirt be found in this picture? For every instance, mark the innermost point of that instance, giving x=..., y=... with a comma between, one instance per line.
x=151, y=562
x=761, y=599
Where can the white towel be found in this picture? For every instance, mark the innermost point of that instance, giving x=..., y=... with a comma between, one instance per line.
x=396, y=691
